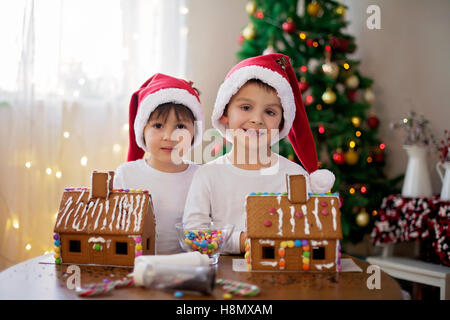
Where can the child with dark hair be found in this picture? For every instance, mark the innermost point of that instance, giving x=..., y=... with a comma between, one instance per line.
x=165, y=120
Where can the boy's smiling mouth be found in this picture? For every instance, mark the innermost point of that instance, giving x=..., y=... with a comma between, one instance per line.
x=255, y=132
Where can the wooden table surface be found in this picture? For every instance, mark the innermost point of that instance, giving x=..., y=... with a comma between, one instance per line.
x=33, y=280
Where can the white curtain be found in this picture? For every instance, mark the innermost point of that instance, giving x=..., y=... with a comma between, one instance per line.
x=67, y=71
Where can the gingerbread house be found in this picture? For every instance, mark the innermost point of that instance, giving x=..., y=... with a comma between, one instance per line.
x=104, y=226
x=295, y=230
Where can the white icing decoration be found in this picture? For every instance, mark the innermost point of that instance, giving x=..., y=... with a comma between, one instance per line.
x=268, y=263
x=306, y=219
x=67, y=204
x=98, y=239
x=114, y=212
x=81, y=196
x=319, y=243
x=334, y=213
x=99, y=213
x=139, y=220
x=95, y=207
x=266, y=241
x=280, y=222
x=119, y=216
x=108, y=243
x=292, y=220
x=129, y=214
x=326, y=266
x=316, y=213
x=125, y=212
x=279, y=200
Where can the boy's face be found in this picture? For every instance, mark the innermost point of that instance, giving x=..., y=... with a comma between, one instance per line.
x=168, y=141
x=252, y=113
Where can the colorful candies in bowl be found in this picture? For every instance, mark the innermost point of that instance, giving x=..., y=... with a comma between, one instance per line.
x=209, y=239
x=204, y=241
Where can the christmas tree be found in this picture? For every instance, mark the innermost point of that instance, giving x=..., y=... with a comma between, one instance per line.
x=337, y=97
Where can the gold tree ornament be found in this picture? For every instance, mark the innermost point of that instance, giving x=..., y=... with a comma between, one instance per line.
x=250, y=7
x=331, y=69
x=362, y=218
x=314, y=9
x=329, y=97
x=352, y=82
x=369, y=96
x=351, y=157
x=249, y=32
x=340, y=10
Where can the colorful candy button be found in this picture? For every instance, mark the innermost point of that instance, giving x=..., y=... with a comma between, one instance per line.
x=267, y=223
x=272, y=210
x=283, y=244
x=324, y=212
x=299, y=214
x=178, y=294
x=297, y=243
x=290, y=244
x=281, y=252
x=227, y=296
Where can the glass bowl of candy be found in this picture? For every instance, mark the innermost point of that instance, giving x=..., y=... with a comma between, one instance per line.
x=208, y=239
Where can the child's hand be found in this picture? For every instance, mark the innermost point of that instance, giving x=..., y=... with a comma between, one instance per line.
x=242, y=241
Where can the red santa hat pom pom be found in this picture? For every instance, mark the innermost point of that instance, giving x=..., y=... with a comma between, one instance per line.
x=322, y=180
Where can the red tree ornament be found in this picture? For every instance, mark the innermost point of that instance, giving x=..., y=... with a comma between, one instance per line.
x=373, y=122
x=338, y=157
x=351, y=95
x=289, y=26
x=303, y=85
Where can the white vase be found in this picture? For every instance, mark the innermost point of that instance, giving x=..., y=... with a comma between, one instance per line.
x=417, y=178
x=445, y=178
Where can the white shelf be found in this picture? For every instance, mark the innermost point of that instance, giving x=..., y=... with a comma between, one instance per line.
x=416, y=271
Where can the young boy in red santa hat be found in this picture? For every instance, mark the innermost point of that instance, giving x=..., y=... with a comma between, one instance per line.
x=165, y=120
x=259, y=97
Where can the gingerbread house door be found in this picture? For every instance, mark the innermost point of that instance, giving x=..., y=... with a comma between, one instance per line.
x=97, y=253
x=293, y=259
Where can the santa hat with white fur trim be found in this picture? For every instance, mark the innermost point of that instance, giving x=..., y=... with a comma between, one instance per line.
x=275, y=70
x=157, y=90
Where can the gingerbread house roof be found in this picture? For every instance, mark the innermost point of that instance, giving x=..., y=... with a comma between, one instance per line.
x=294, y=214
x=102, y=210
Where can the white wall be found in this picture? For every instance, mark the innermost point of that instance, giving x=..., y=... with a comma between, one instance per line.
x=214, y=27
x=410, y=63
x=408, y=59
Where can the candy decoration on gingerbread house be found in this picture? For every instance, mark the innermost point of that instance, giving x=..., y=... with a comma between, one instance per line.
x=294, y=230
x=104, y=226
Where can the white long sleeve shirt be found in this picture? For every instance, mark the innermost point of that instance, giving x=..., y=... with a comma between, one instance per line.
x=219, y=189
x=168, y=191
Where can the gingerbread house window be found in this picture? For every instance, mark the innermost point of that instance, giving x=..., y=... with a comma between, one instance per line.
x=122, y=248
x=318, y=253
x=268, y=252
x=75, y=246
